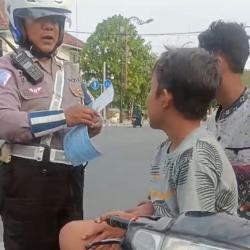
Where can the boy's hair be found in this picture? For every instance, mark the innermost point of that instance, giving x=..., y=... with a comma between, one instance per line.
x=192, y=76
x=230, y=39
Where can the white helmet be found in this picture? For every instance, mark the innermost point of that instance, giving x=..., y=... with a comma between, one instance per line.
x=19, y=9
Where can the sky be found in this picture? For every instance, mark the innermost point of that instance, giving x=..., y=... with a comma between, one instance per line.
x=170, y=16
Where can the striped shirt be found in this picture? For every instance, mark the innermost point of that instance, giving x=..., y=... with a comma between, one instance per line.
x=196, y=176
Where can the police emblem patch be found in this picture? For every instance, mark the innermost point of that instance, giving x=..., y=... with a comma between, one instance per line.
x=76, y=89
x=35, y=91
x=4, y=77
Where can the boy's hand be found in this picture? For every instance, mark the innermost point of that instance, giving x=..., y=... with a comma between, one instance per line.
x=122, y=214
x=103, y=233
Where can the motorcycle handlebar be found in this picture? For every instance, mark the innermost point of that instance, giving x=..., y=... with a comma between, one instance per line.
x=116, y=221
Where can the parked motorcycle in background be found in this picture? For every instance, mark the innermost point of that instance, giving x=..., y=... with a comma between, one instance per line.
x=137, y=117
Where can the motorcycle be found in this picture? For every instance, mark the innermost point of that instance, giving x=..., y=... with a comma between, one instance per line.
x=190, y=231
x=136, y=121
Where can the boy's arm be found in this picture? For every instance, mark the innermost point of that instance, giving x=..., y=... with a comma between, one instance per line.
x=144, y=208
x=104, y=231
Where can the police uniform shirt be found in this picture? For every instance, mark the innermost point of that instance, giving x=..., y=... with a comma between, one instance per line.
x=196, y=176
x=24, y=107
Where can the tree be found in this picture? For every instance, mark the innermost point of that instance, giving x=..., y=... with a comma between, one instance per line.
x=246, y=77
x=127, y=56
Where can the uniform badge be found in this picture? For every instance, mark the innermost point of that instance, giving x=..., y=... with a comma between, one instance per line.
x=76, y=89
x=4, y=77
x=35, y=91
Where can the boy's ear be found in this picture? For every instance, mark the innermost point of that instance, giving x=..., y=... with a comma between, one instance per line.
x=219, y=60
x=165, y=98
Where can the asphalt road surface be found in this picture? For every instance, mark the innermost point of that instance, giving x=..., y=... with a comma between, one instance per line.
x=119, y=179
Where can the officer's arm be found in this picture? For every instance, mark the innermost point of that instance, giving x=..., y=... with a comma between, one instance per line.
x=46, y=122
x=20, y=126
x=14, y=123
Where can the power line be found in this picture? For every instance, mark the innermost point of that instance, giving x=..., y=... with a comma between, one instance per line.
x=172, y=33
x=143, y=34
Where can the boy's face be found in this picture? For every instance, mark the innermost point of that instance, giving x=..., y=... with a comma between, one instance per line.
x=154, y=105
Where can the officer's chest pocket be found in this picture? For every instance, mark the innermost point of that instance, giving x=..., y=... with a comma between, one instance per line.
x=73, y=94
x=34, y=97
x=29, y=91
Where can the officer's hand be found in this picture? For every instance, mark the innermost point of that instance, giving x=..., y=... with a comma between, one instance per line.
x=96, y=128
x=77, y=115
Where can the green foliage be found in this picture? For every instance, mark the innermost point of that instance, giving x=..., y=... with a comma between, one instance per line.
x=108, y=44
x=246, y=77
x=246, y=81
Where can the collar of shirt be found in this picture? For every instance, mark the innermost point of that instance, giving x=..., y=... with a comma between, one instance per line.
x=58, y=61
x=224, y=113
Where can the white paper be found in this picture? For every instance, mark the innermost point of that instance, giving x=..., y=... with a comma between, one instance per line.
x=104, y=99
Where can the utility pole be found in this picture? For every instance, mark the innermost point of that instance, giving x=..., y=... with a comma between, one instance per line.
x=124, y=72
x=139, y=22
x=102, y=87
x=121, y=94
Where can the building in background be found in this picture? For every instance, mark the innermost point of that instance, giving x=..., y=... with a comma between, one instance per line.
x=70, y=49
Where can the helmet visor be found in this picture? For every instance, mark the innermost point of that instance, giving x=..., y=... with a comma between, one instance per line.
x=37, y=13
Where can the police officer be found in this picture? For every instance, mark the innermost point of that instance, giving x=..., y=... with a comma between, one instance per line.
x=41, y=190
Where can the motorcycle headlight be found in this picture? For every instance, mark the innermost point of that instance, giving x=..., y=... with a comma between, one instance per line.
x=180, y=244
x=144, y=240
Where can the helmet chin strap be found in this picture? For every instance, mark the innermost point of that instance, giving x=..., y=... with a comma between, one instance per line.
x=36, y=52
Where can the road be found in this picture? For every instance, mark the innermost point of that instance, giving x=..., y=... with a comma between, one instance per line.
x=119, y=179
